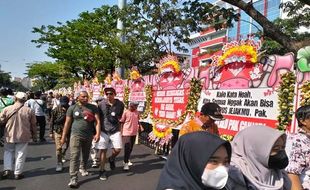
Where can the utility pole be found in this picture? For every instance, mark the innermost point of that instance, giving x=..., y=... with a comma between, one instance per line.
x=120, y=27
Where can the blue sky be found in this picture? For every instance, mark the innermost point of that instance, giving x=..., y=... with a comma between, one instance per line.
x=18, y=17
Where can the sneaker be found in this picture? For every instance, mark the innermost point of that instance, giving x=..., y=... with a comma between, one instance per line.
x=103, y=175
x=83, y=172
x=73, y=183
x=6, y=174
x=112, y=163
x=126, y=167
x=59, y=167
x=63, y=159
x=130, y=163
x=19, y=176
x=95, y=165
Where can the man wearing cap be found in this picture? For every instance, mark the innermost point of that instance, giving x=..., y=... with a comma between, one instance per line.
x=19, y=129
x=130, y=128
x=210, y=112
x=57, y=121
x=111, y=112
x=82, y=118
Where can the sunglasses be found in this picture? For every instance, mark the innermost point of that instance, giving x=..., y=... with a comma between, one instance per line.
x=109, y=93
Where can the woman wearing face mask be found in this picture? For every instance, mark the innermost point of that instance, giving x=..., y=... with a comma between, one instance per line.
x=258, y=160
x=198, y=161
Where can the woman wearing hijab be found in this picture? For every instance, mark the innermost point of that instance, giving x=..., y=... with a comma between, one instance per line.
x=198, y=161
x=258, y=160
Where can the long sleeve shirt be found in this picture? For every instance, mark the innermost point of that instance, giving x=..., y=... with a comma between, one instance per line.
x=21, y=127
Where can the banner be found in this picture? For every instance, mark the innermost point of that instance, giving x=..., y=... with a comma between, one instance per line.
x=169, y=104
x=243, y=107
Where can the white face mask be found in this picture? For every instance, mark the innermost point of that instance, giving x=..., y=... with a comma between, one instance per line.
x=215, y=178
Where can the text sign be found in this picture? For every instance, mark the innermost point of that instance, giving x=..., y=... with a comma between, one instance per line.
x=259, y=106
x=169, y=104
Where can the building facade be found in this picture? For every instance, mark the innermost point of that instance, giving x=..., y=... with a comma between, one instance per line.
x=210, y=42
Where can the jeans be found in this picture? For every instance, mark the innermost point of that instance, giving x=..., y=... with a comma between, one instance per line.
x=19, y=150
x=78, y=144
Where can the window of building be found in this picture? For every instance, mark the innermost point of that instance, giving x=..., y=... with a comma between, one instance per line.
x=244, y=25
x=258, y=5
x=273, y=10
x=232, y=32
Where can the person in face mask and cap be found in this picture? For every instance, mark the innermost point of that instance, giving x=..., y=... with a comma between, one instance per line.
x=258, y=160
x=194, y=164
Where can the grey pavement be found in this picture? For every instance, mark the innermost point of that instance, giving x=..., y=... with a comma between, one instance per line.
x=40, y=171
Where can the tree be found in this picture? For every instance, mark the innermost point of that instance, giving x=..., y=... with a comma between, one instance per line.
x=46, y=74
x=159, y=27
x=83, y=45
x=205, y=12
x=5, y=79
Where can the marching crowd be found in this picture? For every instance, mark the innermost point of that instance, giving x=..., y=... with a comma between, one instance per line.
x=75, y=123
x=259, y=157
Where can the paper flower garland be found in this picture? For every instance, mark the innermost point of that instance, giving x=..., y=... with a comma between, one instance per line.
x=305, y=94
x=169, y=64
x=243, y=51
x=285, y=100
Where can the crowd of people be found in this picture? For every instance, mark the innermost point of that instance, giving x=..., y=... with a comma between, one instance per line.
x=258, y=157
x=78, y=123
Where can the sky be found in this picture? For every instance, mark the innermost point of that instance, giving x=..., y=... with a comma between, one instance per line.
x=18, y=17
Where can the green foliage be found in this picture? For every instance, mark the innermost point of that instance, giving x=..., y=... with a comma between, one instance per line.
x=5, y=81
x=154, y=28
x=205, y=14
x=5, y=78
x=83, y=46
x=45, y=74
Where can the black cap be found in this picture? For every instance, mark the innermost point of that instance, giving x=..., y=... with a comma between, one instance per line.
x=64, y=100
x=213, y=110
x=109, y=89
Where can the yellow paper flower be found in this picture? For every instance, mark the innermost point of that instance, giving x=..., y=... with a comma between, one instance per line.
x=238, y=53
x=169, y=63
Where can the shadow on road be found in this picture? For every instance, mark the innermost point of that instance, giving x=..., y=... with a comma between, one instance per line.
x=43, y=171
x=32, y=159
x=7, y=188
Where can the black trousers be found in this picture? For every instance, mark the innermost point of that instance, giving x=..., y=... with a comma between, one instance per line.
x=128, y=141
x=42, y=123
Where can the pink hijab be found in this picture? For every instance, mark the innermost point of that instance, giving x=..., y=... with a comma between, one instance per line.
x=251, y=149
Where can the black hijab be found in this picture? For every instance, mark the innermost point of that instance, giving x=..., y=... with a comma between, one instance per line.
x=188, y=159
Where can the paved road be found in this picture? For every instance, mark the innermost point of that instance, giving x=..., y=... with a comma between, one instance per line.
x=40, y=172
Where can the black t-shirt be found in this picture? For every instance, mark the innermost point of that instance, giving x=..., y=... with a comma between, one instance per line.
x=110, y=115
